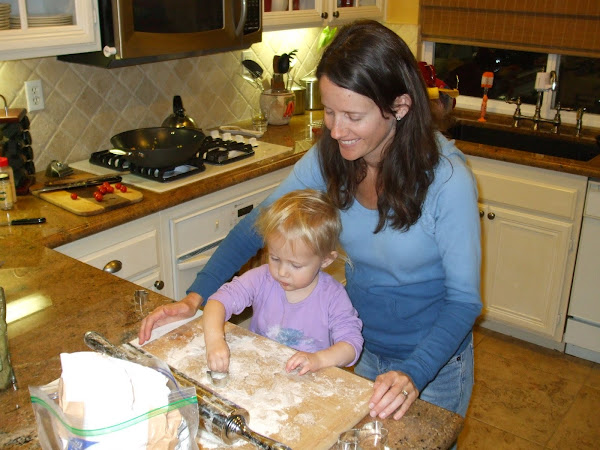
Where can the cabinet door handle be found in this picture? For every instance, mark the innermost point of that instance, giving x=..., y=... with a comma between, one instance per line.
x=491, y=216
x=336, y=14
x=481, y=213
x=113, y=266
x=159, y=284
x=324, y=15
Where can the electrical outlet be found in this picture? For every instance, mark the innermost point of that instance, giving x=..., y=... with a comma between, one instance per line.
x=35, y=95
x=247, y=54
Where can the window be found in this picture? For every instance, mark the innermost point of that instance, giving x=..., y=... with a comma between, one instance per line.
x=514, y=76
x=579, y=83
x=514, y=71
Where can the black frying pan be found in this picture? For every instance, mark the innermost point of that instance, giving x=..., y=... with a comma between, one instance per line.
x=159, y=146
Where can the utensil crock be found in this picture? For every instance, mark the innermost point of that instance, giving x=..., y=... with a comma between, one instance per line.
x=278, y=105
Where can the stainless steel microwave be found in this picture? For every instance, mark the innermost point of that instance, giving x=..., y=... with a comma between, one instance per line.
x=140, y=31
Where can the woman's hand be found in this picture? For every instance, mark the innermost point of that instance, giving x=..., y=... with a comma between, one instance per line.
x=307, y=362
x=171, y=312
x=392, y=390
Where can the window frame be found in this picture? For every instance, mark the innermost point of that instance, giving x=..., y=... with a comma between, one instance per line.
x=500, y=107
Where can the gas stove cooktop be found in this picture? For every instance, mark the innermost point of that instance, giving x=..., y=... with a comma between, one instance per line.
x=262, y=150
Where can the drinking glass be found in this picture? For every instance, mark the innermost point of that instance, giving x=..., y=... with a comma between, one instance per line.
x=259, y=120
x=349, y=440
x=140, y=302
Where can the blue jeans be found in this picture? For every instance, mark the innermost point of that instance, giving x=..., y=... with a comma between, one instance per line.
x=450, y=389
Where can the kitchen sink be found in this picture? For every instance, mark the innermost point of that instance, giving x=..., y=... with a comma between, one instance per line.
x=525, y=140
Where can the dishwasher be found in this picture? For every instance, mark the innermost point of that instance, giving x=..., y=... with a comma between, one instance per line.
x=582, y=332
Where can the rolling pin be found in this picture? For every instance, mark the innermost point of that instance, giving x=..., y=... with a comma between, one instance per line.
x=218, y=415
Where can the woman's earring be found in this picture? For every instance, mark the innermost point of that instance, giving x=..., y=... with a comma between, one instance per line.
x=398, y=118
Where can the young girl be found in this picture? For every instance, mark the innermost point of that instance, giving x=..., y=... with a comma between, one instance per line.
x=293, y=301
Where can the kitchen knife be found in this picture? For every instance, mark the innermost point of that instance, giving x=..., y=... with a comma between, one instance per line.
x=60, y=186
x=23, y=221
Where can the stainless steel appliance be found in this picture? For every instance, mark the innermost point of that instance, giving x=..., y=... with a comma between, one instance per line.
x=139, y=31
x=582, y=334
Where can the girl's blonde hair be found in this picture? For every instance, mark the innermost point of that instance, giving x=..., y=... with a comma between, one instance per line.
x=303, y=214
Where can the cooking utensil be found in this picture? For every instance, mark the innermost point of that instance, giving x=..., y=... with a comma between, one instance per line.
x=179, y=119
x=243, y=131
x=218, y=378
x=159, y=146
x=283, y=62
x=85, y=204
x=58, y=169
x=256, y=72
x=62, y=186
x=218, y=415
x=253, y=67
x=35, y=221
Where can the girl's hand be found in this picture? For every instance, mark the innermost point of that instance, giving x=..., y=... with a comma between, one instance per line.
x=307, y=362
x=392, y=391
x=171, y=312
x=217, y=355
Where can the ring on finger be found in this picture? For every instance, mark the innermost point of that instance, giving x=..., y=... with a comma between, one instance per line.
x=404, y=392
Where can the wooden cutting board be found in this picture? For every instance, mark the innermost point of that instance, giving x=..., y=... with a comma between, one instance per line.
x=303, y=412
x=86, y=204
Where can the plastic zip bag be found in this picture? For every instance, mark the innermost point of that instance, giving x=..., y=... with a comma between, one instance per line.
x=171, y=426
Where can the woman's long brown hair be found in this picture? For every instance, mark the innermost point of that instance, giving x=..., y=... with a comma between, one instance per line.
x=371, y=60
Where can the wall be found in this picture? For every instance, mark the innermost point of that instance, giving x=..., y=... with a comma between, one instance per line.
x=86, y=105
x=403, y=11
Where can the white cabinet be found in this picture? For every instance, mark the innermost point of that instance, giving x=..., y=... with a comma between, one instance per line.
x=164, y=251
x=132, y=251
x=197, y=227
x=304, y=13
x=46, y=33
x=531, y=220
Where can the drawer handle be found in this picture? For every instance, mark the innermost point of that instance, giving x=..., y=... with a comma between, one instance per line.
x=491, y=216
x=159, y=284
x=113, y=266
x=481, y=213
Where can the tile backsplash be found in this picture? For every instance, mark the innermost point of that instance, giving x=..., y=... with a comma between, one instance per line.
x=85, y=106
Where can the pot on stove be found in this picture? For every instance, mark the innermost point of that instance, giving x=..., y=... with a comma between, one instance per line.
x=158, y=147
x=179, y=119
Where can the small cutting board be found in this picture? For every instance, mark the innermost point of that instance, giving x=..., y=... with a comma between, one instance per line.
x=304, y=412
x=86, y=204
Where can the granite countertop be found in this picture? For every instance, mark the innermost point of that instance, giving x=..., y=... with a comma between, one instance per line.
x=77, y=297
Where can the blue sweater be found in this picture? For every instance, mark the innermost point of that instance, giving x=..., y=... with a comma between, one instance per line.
x=416, y=291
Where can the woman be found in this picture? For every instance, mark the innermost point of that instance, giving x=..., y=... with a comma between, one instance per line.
x=408, y=204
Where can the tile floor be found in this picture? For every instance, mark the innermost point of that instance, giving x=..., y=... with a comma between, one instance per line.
x=530, y=397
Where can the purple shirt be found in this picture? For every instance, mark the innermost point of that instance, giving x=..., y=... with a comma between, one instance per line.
x=322, y=319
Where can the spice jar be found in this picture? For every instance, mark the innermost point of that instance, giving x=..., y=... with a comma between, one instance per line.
x=11, y=191
x=7, y=376
x=6, y=201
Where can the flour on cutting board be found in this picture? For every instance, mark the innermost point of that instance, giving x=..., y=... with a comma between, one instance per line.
x=283, y=406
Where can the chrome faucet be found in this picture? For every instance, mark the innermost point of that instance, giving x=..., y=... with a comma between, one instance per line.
x=537, y=116
x=578, y=119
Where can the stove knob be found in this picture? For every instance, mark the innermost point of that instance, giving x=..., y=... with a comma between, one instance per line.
x=226, y=136
x=214, y=134
x=253, y=142
x=239, y=138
